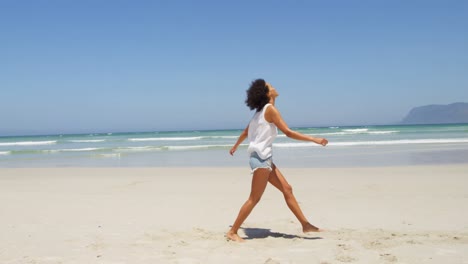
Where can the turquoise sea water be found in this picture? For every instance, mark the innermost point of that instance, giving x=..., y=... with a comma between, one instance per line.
x=349, y=146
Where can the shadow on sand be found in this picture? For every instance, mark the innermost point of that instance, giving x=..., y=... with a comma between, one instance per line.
x=257, y=233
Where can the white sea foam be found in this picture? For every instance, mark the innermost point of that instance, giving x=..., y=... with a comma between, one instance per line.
x=356, y=130
x=376, y=143
x=115, y=155
x=294, y=145
x=70, y=150
x=331, y=134
x=195, y=147
x=28, y=143
x=227, y=137
x=165, y=139
x=401, y=141
x=80, y=149
x=383, y=132
x=137, y=149
x=162, y=148
x=5, y=152
x=88, y=141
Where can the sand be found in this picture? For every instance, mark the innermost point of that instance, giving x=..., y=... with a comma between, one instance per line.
x=180, y=215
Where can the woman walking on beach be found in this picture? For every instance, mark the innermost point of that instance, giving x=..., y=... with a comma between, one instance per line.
x=261, y=131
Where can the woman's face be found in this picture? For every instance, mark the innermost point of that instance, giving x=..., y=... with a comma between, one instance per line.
x=272, y=93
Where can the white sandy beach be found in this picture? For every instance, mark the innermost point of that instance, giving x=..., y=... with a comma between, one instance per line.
x=179, y=215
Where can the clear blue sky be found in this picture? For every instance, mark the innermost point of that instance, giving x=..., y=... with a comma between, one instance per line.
x=109, y=66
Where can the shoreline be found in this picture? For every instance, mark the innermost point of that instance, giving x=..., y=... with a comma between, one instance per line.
x=319, y=157
x=403, y=214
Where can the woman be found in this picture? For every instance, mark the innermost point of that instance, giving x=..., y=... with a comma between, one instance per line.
x=261, y=132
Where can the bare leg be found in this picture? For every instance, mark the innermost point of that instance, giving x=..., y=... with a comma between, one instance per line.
x=259, y=183
x=277, y=179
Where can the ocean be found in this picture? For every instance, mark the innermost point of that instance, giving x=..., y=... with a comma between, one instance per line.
x=350, y=146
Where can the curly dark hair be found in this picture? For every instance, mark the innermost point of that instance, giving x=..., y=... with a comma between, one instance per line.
x=257, y=95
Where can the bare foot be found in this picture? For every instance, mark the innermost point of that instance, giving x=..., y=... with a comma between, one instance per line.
x=234, y=237
x=310, y=228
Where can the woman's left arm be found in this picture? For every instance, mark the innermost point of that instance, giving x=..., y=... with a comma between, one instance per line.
x=272, y=115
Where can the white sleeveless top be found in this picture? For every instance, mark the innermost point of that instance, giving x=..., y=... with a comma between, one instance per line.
x=261, y=135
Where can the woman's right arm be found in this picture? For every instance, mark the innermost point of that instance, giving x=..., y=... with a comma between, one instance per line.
x=242, y=137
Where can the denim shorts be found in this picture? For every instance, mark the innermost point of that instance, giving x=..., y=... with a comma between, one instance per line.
x=258, y=163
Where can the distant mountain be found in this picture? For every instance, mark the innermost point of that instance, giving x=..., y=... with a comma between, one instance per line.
x=438, y=114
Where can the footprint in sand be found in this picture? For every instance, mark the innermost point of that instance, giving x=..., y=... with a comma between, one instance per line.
x=96, y=245
x=183, y=243
x=414, y=242
x=388, y=257
x=344, y=258
x=344, y=246
x=341, y=256
x=271, y=261
x=204, y=234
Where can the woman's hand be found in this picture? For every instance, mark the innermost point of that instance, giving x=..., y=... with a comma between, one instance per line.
x=233, y=149
x=323, y=141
